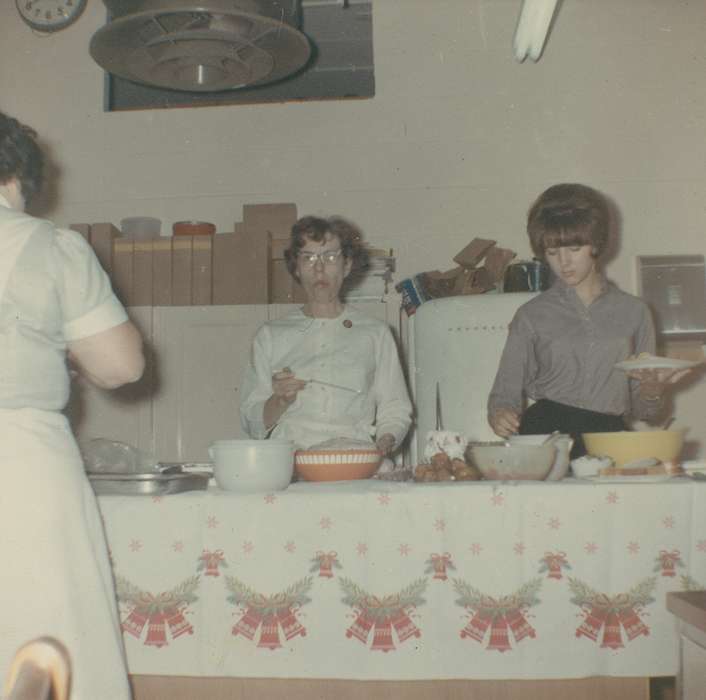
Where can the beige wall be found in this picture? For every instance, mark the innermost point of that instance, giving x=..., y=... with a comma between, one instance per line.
x=457, y=141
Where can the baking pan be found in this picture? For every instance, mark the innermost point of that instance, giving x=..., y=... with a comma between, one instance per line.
x=148, y=484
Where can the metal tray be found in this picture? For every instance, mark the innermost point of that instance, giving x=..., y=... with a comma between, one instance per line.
x=149, y=484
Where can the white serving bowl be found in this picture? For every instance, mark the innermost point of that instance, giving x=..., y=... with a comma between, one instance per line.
x=252, y=466
x=498, y=461
x=561, y=441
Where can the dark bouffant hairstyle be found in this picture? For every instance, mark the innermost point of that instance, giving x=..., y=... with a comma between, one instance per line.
x=315, y=228
x=568, y=215
x=20, y=156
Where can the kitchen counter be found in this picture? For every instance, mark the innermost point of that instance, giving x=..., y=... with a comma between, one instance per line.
x=403, y=581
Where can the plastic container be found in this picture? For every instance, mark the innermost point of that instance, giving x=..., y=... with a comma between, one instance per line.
x=252, y=466
x=193, y=228
x=141, y=226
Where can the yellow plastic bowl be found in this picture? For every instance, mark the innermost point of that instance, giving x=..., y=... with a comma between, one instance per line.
x=629, y=446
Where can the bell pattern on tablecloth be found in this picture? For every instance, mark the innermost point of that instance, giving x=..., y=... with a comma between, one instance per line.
x=382, y=615
x=325, y=563
x=210, y=563
x=159, y=613
x=612, y=614
x=269, y=614
x=504, y=615
x=439, y=565
x=667, y=562
x=553, y=563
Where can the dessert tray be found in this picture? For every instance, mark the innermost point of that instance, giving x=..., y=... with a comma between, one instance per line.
x=154, y=483
x=654, y=362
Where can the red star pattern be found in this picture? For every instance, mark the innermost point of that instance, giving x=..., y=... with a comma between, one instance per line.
x=290, y=547
x=669, y=522
x=135, y=545
x=633, y=547
x=612, y=497
x=362, y=549
x=439, y=524
x=384, y=499
x=590, y=547
x=554, y=523
x=476, y=549
x=178, y=546
x=404, y=550
x=497, y=499
x=270, y=498
x=326, y=523
x=157, y=499
x=248, y=547
x=212, y=522
x=701, y=545
x=519, y=548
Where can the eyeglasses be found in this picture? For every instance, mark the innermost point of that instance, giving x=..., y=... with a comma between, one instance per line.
x=328, y=257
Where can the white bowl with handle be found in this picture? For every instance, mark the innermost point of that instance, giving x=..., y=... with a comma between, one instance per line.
x=561, y=441
x=252, y=466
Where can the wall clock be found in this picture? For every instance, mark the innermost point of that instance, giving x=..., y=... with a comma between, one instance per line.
x=50, y=15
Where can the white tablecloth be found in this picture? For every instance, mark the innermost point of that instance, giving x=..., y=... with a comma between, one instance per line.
x=376, y=580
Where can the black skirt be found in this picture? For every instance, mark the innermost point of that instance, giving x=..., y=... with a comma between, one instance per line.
x=545, y=416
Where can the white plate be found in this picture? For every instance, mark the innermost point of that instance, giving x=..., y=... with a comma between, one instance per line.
x=654, y=362
x=637, y=479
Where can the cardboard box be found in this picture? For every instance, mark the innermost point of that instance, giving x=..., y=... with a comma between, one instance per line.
x=202, y=271
x=83, y=229
x=123, y=269
x=162, y=272
x=182, y=251
x=276, y=219
x=473, y=253
x=102, y=237
x=283, y=288
x=240, y=267
x=142, y=272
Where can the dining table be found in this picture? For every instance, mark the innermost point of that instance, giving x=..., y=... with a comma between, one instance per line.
x=388, y=584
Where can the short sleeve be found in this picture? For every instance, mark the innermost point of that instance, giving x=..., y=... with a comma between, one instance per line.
x=86, y=296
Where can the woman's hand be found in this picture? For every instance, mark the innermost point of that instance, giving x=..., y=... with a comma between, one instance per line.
x=285, y=387
x=385, y=443
x=653, y=382
x=504, y=422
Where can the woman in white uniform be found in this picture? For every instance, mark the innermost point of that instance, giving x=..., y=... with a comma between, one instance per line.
x=55, y=303
x=328, y=341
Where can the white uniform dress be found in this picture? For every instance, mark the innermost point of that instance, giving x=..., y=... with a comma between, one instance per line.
x=352, y=350
x=56, y=577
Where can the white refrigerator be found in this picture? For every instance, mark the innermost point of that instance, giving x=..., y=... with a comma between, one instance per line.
x=457, y=342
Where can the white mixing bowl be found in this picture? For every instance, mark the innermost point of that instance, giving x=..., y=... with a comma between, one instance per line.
x=252, y=466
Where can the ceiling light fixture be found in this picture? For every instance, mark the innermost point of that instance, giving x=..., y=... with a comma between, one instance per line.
x=532, y=28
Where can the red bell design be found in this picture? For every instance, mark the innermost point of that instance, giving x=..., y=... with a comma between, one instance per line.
x=519, y=625
x=382, y=638
x=612, y=638
x=247, y=625
x=403, y=625
x=477, y=626
x=360, y=629
x=156, y=631
x=326, y=562
x=669, y=561
x=593, y=622
x=269, y=635
x=178, y=624
x=632, y=624
x=211, y=561
x=439, y=563
x=135, y=622
x=499, y=640
x=290, y=625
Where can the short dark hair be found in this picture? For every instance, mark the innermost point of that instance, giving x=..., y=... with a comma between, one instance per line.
x=315, y=229
x=569, y=214
x=20, y=156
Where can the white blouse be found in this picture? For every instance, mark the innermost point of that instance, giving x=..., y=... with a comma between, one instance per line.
x=55, y=291
x=352, y=350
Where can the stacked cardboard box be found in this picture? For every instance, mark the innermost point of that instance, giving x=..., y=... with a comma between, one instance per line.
x=243, y=266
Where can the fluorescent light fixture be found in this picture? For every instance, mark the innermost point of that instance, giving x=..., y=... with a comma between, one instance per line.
x=532, y=28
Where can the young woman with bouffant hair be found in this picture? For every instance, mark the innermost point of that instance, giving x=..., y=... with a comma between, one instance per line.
x=563, y=345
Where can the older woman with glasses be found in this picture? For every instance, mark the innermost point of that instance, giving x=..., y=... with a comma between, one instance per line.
x=326, y=370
